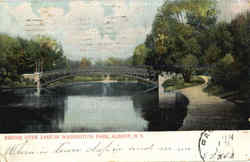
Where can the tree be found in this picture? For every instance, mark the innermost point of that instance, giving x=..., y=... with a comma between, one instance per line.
x=128, y=61
x=51, y=52
x=240, y=28
x=181, y=49
x=212, y=54
x=114, y=61
x=100, y=62
x=19, y=56
x=189, y=63
x=200, y=14
x=224, y=73
x=175, y=34
x=140, y=54
x=85, y=62
x=73, y=64
x=8, y=59
x=232, y=64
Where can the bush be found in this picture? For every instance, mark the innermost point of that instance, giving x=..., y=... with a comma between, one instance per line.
x=226, y=73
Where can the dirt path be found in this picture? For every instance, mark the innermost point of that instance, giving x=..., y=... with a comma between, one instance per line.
x=197, y=96
x=210, y=112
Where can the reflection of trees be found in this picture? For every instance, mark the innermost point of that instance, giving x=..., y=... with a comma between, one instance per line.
x=40, y=114
x=161, y=119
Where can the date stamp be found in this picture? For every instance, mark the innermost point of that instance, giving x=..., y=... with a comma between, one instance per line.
x=216, y=146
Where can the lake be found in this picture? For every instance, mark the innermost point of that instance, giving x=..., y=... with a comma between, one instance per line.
x=98, y=107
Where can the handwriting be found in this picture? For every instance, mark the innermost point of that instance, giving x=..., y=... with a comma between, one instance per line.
x=64, y=147
x=19, y=149
x=100, y=148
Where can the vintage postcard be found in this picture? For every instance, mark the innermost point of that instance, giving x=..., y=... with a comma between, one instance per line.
x=124, y=80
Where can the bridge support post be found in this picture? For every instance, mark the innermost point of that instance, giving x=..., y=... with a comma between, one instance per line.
x=38, y=84
x=165, y=99
x=106, y=77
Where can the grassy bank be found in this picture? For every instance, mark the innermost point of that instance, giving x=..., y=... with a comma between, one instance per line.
x=174, y=84
x=78, y=79
x=215, y=90
x=92, y=78
x=18, y=84
x=121, y=78
x=96, y=78
x=236, y=96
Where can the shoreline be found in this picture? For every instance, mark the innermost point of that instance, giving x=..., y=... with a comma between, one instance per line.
x=204, y=109
x=101, y=81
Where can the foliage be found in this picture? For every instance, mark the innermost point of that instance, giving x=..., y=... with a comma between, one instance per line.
x=19, y=56
x=189, y=63
x=114, y=61
x=177, y=83
x=212, y=54
x=140, y=54
x=175, y=36
x=186, y=34
x=85, y=62
x=73, y=64
x=232, y=66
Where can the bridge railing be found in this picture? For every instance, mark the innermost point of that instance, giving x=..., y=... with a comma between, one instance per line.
x=101, y=69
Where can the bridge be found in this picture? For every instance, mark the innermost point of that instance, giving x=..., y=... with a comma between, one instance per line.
x=144, y=73
x=136, y=72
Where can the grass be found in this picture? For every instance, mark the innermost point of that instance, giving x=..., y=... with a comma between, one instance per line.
x=87, y=78
x=121, y=78
x=235, y=96
x=93, y=78
x=78, y=79
x=174, y=84
x=19, y=84
x=214, y=90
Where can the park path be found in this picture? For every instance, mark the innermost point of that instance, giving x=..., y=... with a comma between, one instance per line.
x=210, y=112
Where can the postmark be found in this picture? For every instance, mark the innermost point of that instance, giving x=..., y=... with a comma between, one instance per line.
x=216, y=146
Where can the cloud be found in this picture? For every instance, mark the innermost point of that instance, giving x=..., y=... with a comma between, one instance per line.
x=84, y=30
x=230, y=8
x=50, y=13
x=12, y=22
x=85, y=12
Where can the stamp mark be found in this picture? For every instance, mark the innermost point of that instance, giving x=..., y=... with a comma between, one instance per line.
x=216, y=146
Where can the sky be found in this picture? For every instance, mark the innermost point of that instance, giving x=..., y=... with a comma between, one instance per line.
x=96, y=29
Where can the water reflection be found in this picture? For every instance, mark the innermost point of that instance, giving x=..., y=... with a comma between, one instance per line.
x=102, y=114
x=160, y=119
x=89, y=107
x=23, y=112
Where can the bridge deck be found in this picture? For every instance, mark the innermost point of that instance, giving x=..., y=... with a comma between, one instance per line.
x=138, y=73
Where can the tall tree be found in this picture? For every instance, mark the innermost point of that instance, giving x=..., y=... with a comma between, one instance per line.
x=175, y=34
x=19, y=56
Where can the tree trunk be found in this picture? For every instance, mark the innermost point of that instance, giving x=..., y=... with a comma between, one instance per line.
x=187, y=76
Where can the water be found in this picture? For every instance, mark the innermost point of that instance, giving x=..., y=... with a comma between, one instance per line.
x=106, y=107
x=87, y=107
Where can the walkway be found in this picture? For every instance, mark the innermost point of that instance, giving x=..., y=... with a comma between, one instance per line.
x=210, y=112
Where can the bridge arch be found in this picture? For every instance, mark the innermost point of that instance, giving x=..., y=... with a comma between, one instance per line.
x=138, y=73
x=45, y=83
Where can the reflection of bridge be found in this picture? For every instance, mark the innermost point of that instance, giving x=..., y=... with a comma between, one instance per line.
x=143, y=73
